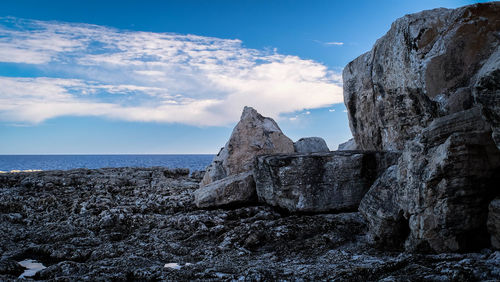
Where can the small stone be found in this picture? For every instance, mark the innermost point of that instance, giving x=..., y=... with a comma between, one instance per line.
x=310, y=145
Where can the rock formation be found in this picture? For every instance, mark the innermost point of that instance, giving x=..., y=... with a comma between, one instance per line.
x=430, y=89
x=310, y=145
x=253, y=135
x=349, y=145
x=234, y=189
x=318, y=182
x=140, y=224
x=425, y=67
x=494, y=222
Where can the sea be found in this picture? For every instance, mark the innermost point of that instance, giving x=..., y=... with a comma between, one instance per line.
x=65, y=162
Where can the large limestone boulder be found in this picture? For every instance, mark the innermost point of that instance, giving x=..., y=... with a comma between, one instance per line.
x=430, y=89
x=440, y=190
x=318, y=182
x=310, y=145
x=423, y=68
x=253, y=135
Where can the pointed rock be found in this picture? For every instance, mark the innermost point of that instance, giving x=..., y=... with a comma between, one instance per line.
x=254, y=135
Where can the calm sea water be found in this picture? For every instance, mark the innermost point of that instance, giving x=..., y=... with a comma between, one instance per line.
x=50, y=162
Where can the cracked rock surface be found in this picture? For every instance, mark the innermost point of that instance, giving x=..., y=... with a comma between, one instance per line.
x=128, y=223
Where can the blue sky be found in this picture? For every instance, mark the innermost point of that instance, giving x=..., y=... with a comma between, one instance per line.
x=142, y=77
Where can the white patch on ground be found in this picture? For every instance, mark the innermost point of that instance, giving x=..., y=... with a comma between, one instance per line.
x=173, y=265
x=32, y=267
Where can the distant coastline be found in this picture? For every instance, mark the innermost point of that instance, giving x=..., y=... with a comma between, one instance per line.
x=17, y=163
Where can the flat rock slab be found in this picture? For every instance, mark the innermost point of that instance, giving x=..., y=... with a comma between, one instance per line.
x=318, y=182
x=239, y=188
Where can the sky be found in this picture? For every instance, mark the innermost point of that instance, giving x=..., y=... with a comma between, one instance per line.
x=172, y=77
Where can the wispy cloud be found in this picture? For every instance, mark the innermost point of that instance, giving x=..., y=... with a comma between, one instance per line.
x=331, y=43
x=153, y=77
x=334, y=43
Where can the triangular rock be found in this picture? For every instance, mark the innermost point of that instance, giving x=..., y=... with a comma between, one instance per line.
x=254, y=135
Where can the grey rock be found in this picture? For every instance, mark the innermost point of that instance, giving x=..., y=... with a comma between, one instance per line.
x=429, y=88
x=253, y=135
x=349, y=145
x=487, y=93
x=234, y=189
x=381, y=208
x=318, y=182
x=230, y=171
x=10, y=267
x=198, y=174
x=310, y=145
x=157, y=223
x=423, y=68
x=440, y=190
x=494, y=223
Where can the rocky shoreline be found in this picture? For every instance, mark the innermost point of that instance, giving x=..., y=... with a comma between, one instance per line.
x=414, y=196
x=128, y=223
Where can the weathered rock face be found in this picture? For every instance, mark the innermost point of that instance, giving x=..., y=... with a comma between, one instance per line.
x=318, y=182
x=100, y=229
x=253, y=135
x=234, y=189
x=228, y=179
x=423, y=68
x=487, y=93
x=389, y=227
x=430, y=89
x=442, y=185
x=494, y=223
x=349, y=145
x=310, y=145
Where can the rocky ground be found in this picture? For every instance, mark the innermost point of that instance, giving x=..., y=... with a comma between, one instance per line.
x=128, y=223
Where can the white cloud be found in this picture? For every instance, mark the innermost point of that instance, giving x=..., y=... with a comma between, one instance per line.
x=334, y=43
x=161, y=77
x=331, y=110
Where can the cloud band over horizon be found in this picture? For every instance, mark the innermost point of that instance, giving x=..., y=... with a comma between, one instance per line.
x=90, y=70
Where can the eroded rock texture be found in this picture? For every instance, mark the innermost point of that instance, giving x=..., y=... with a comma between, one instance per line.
x=253, y=135
x=234, y=189
x=349, y=145
x=430, y=89
x=318, y=182
x=494, y=223
x=310, y=145
x=423, y=68
x=124, y=224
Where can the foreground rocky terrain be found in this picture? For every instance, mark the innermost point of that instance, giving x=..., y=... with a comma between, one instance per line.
x=422, y=170
x=128, y=223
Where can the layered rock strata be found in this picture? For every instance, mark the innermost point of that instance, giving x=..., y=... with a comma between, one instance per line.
x=425, y=67
x=318, y=182
x=430, y=89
